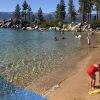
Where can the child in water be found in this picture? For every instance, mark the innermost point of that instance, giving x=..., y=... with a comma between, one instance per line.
x=91, y=71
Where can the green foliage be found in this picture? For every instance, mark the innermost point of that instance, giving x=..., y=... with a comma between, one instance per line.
x=29, y=13
x=57, y=15
x=95, y=23
x=25, y=23
x=86, y=7
x=49, y=23
x=16, y=13
x=40, y=15
x=72, y=11
x=60, y=12
x=97, y=8
x=33, y=18
x=25, y=7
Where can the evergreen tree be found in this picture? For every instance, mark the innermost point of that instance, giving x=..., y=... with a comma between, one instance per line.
x=29, y=12
x=25, y=7
x=83, y=9
x=71, y=10
x=57, y=13
x=60, y=12
x=40, y=15
x=33, y=18
x=97, y=7
x=89, y=8
x=86, y=7
x=17, y=14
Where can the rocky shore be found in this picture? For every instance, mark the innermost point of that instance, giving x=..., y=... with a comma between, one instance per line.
x=74, y=27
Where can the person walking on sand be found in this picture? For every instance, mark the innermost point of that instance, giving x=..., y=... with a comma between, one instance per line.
x=91, y=71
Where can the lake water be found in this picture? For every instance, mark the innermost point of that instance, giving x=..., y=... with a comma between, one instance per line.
x=28, y=55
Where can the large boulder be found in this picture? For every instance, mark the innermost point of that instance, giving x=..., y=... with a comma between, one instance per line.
x=8, y=24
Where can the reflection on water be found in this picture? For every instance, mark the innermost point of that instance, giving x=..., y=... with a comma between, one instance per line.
x=26, y=55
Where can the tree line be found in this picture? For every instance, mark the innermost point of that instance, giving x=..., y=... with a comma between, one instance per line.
x=86, y=7
x=26, y=14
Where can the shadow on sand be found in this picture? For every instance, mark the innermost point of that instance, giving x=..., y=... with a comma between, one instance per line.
x=94, y=47
x=97, y=87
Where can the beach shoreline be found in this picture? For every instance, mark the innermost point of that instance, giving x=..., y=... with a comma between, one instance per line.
x=85, y=58
x=54, y=79
x=78, y=90
x=57, y=76
x=60, y=89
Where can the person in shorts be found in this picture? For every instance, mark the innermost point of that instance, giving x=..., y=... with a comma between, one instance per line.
x=91, y=71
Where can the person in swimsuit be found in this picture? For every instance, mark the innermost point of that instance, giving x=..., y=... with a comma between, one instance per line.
x=91, y=71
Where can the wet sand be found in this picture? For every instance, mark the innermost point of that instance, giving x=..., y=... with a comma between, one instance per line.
x=58, y=75
x=76, y=87
x=71, y=83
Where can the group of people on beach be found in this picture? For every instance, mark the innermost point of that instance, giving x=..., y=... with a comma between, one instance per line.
x=91, y=70
x=89, y=37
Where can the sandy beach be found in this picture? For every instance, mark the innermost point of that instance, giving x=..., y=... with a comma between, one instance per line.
x=46, y=48
x=76, y=86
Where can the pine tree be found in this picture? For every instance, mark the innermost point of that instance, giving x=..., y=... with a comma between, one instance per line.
x=85, y=9
x=97, y=7
x=17, y=14
x=82, y=10
x=25, y=7
x=71, y=10
x=57, y=13
x=29, y=12
x=89, y=8
x=33, y=18
x=40, y=15
x=60, y=12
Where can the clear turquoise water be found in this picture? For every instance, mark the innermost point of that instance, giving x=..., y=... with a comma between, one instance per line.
x=27, y=55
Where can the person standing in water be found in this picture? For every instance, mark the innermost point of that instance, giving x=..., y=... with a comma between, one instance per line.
x=89, y=37
x=62, y=32
x=89, y=42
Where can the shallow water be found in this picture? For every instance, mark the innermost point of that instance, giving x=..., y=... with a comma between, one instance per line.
x=27, y=55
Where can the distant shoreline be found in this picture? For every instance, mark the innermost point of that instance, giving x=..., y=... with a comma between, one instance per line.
x=72, y=27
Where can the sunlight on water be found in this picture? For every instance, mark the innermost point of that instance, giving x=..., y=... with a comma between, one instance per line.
x=26, y=55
